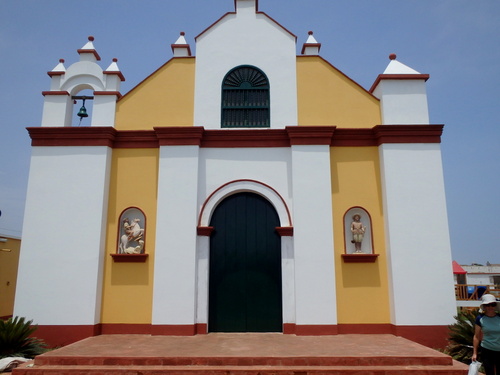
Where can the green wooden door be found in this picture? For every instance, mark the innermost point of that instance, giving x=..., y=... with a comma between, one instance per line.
x=245, y=266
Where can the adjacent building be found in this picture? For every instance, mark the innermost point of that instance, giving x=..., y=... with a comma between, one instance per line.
x=9, y=259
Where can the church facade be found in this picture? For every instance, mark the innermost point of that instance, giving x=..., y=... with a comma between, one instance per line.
x=244, y=189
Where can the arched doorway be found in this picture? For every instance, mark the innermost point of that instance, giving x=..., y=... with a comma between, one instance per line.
x=245, y=291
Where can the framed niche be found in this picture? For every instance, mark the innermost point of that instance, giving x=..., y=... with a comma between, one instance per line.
x=131, y=241
x=358, y=236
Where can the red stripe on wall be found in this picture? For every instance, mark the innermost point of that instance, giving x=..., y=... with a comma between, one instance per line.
x=59, y=335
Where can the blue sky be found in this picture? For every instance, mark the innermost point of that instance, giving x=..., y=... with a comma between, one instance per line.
x=457, y=42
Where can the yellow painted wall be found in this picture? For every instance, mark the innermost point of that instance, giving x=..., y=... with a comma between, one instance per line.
x=328, y=97
x=128, y=287
x=165, y=98
x=9, y=260
x=362, y=288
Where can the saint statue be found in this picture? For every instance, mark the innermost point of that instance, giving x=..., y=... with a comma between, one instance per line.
x=358, y=232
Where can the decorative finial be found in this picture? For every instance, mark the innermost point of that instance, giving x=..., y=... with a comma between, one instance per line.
x=310, y=33
x=91, y=38
x=183, y=33
x=115, y=59
x=392, y=56
x=61, y=61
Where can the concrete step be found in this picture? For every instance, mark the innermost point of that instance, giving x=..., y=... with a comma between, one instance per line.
x=429, y=360
x=243, y=354
x=453, y=369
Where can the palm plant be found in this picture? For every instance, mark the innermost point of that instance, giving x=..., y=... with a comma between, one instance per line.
x=461, y=334
x=15, y=340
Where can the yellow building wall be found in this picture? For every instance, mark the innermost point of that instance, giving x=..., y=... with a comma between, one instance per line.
x=165, y=98
x=327, y=97
x=128, y=287
x=362, y=288
x=9, y=260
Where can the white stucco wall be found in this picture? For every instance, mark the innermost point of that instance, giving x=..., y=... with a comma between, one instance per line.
x=62, y=253
x=284, y=177
x=417, y=237
x=245, y=38
x=174, y=289
x=313, y=236
x=403, y=101
x=264, y=171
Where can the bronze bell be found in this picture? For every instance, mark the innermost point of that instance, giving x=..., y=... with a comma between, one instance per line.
x=83, y=111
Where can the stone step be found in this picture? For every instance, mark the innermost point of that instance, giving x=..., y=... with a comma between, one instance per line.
x=429, y=360
x=243, y=354
x=454, y=369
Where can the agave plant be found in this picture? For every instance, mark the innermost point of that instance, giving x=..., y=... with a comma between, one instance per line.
x=461, y=334
x=15, y=340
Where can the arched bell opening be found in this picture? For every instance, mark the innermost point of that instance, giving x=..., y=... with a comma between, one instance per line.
x=83, y=102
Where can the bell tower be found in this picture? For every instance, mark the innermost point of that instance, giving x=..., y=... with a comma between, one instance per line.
x=85, y=74
x=414, y=201
x=64, y=227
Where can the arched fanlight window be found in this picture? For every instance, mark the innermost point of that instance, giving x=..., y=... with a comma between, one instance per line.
x=245, y=98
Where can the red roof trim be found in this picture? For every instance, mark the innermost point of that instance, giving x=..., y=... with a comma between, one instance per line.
x=305, y=45
x=256, y=12
x=457, y=269
x=174, y=46
x=156, y=71
x=118, y=73
x=381, y=77
x=280, y=25
x=116, y=93
x=93, y=51
x=346, y=76
x=238, y=138
x=55, y=93
x=57, y=73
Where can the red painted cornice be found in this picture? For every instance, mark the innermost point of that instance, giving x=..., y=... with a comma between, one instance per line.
x=407, y=134
x=234, y=138
x=179, y=136
x=118, y=73
x=73, y=136
x=246, y=138
x=310, y=135
x=115, y=93
x=44, y=93
x=399, y=77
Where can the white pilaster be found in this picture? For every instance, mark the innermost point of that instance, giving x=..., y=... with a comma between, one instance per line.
x=62, y=254
x=417, y=235
x=313, y=236
x=175, y=254
x=288, y=279
x=202, y=284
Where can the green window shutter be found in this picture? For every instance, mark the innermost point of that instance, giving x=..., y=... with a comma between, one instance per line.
x=245, y=99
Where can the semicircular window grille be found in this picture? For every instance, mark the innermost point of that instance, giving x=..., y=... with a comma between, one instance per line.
x=245, y=98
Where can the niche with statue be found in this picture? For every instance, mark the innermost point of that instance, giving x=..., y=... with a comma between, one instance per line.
x=358, y=244
x=131, y=236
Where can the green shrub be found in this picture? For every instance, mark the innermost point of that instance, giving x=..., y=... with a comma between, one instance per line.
x=461, y=335
x=15, y=340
